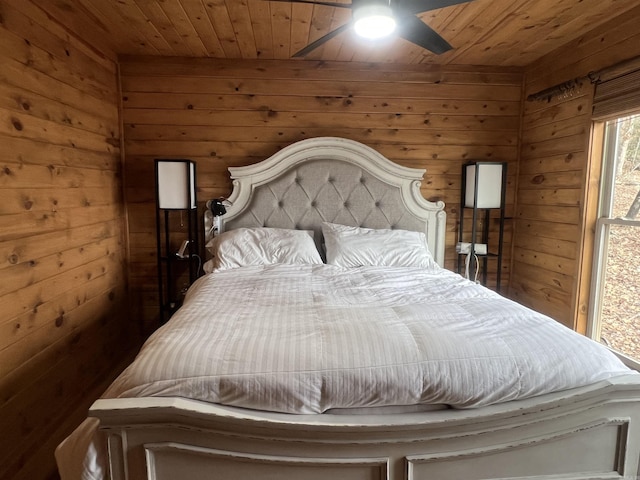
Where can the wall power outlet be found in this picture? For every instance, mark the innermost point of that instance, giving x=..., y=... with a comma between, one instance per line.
x=465, y=247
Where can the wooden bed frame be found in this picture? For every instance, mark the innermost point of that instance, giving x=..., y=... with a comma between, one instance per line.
x=586, y=433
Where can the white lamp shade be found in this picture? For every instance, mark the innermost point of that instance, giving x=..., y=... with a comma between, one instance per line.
x=176, y=184
x=489, y=181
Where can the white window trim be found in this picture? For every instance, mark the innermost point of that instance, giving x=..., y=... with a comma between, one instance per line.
x=599, y=264
x=602, y=227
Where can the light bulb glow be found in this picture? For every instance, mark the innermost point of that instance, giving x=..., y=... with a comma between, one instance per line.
x=374, y=21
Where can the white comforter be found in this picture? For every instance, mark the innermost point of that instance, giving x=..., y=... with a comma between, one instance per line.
x=305, y=339
x=308, y=338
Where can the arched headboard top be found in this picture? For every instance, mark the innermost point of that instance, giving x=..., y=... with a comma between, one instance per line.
x=329, y=179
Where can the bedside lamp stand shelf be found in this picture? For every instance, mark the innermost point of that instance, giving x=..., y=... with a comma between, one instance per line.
x=177, y=245
x=483, y=191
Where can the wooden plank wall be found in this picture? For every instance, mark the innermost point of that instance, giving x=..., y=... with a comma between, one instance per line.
x=228, y=113
x=553, y=239
x=63, y=328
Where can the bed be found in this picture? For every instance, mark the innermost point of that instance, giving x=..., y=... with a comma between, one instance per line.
x=354, y=355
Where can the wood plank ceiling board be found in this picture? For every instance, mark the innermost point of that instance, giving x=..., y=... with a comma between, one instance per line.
x=488, y=17
x=197, y=14
x=157, y=19
x=118, y=27
x=482, y=32
x=567, y=25
x=548, y=23
x=321, y=24
x=243, y=27
x=136, y=17
x=219, y=17
x=281, y=29
x=176, y=13
x=260, y=14
x=519, y=29
x=331, y=49
x=444, y=22
x=300, y=24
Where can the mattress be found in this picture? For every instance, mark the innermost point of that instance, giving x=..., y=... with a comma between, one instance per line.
x=314, y=338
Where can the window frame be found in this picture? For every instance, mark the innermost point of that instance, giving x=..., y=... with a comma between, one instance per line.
x=604, y=221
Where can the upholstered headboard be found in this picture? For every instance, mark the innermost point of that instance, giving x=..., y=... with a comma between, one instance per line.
x=334, y=180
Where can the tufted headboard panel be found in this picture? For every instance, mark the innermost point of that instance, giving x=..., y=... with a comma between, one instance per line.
x=333, y=180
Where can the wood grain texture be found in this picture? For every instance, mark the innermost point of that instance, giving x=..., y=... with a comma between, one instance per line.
x=63, y=261
x=482, y=32
x=227, y=113
x=558, y=178
x=63, y=329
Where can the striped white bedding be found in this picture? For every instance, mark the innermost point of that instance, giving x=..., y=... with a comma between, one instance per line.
x=308, y=338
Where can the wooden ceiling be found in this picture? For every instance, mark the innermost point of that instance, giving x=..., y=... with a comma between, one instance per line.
x=482, y=32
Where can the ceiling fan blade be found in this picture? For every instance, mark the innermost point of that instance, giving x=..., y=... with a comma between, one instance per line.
x=311, y=2
x=313, y=45
x=419, y=6
x=416, y=31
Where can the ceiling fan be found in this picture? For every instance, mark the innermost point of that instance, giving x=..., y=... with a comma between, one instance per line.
x=378, y=18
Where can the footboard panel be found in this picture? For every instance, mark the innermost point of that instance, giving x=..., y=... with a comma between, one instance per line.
x=587, y=451
x=170, y=461
x=589, y=433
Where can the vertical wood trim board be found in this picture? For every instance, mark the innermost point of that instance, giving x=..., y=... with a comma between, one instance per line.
x=63, y=327
x=223, y=113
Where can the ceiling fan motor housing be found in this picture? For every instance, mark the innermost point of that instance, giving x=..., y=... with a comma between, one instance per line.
x=388, y=13
x=373, y=20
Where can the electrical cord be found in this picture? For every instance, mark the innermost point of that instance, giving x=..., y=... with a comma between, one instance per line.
x=467, y=261
x=199, y=264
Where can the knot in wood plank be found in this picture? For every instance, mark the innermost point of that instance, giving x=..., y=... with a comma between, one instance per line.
x=538, y=179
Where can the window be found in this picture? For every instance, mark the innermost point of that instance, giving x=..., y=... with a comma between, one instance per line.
x=614, y=313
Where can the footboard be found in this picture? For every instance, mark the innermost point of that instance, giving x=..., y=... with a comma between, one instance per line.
x=587, y=433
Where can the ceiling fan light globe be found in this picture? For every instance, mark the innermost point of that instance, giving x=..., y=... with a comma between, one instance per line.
x=374, y=21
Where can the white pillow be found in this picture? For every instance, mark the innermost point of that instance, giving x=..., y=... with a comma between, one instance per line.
x=357, y=247
x=262, y=246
